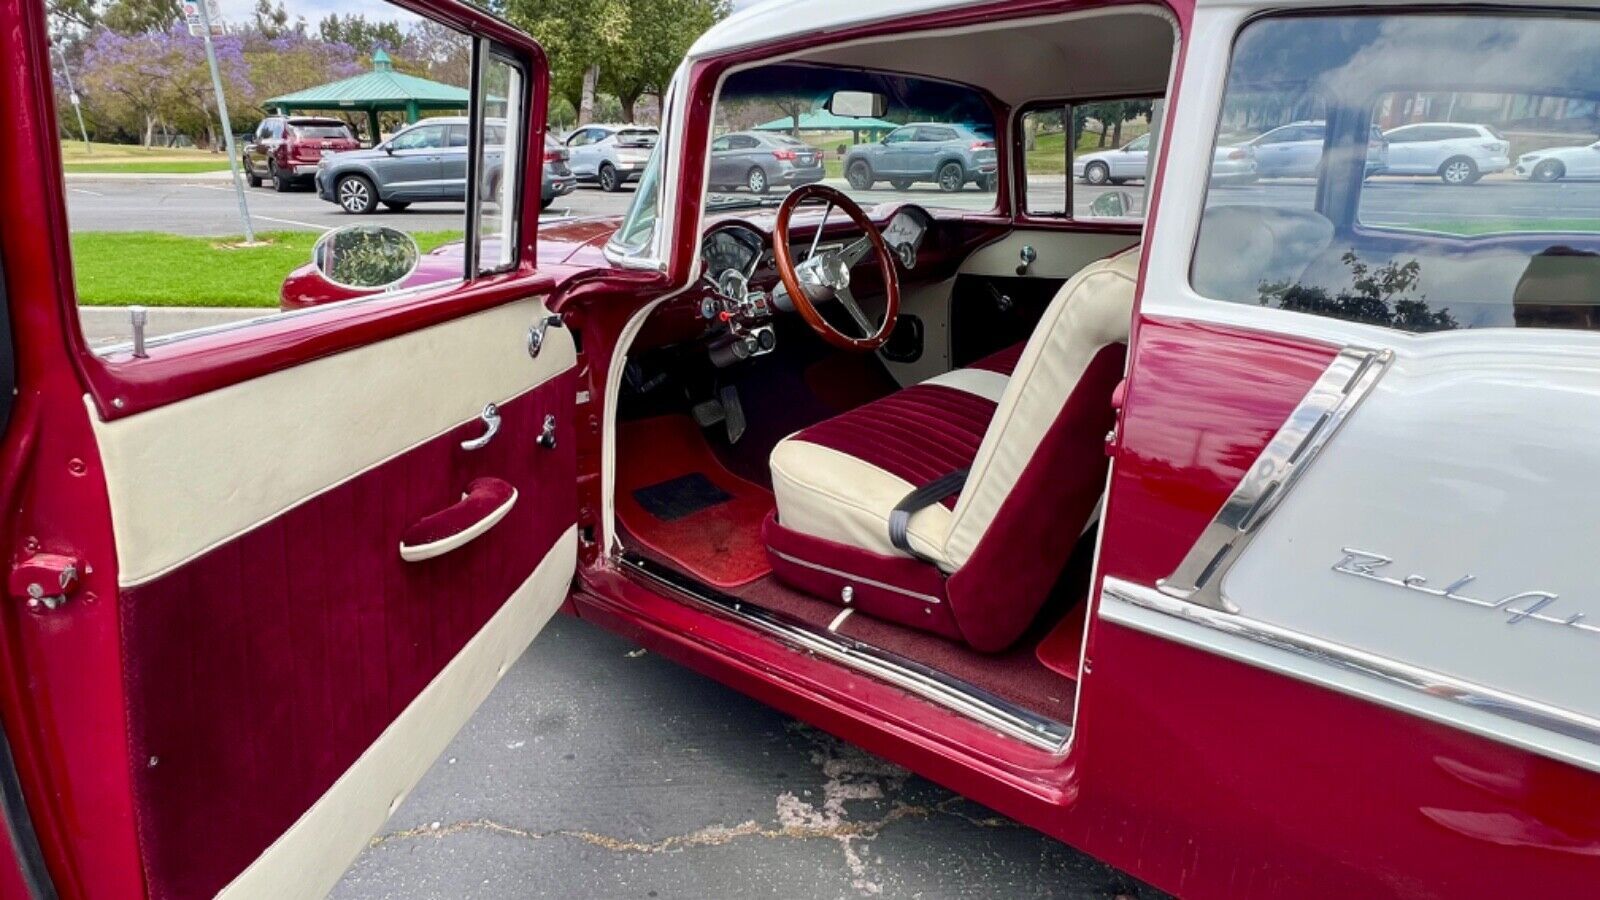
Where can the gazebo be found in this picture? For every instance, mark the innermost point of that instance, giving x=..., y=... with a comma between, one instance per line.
x=822, y=120
x=381, y=90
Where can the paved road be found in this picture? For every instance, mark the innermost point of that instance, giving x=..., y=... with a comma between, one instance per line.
x=596, y=770
x=208, y=207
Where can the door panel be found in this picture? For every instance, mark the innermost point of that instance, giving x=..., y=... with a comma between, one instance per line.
x=272, y=634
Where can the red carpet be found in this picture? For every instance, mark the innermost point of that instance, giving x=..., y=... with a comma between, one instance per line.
x=720, y=543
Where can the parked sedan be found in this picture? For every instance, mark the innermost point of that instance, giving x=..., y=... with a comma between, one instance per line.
x=756, y=161
x=610, y=155
x=1231, y=162
x=557, y=180
x=286, y=150
x=1457, y=153
x=424, y=162
x=1295, y=151
x=950, y=156
x=1556, y=163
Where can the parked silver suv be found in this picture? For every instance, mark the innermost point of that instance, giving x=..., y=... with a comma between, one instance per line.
x=610, y=155
x=947, y=155
x=426, y=161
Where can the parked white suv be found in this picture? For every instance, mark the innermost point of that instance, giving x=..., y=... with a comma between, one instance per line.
x=610, y=155
x=1457, y=152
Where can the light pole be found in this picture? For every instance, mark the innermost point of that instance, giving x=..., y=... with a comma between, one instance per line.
x=203, y=8
x=72, y=93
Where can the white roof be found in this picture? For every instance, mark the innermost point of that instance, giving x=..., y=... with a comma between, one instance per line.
x=777, y=19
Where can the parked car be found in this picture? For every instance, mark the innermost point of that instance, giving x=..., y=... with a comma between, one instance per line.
x=610, y=155
x=1295, y=151
x=557, y=179
x=1556, y=163
x=425, y=161
x=1130, y=162
x=757, y=160
x=1457, y=152
x=951, y=156
x=286, y=150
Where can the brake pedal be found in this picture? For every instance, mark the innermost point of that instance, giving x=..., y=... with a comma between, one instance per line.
x=708, y=413
x=732, y=413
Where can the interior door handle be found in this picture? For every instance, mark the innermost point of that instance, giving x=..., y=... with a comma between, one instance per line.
x=486, y=502
x=491, y=423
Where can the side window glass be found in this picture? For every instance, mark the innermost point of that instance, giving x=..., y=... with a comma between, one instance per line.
x=1045, y=161
x=503, y=107
x=1111, y=159
x=197, y=251
x=721, y=145
x=902, y=136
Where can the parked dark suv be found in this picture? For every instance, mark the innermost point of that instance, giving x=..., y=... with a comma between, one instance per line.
x=947, y=155
x=285, y=150
x=422, y=162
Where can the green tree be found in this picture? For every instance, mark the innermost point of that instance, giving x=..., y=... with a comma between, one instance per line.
x=140, y=16
x=658, y=35
x=583, y=38
x=361, y=33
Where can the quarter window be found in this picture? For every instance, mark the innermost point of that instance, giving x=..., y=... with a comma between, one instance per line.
x=1407, y=201
x=1088, y=161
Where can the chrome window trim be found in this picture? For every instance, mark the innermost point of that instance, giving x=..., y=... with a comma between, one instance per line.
x=1313, y=423
x=1006, y=718
x=1537, y=727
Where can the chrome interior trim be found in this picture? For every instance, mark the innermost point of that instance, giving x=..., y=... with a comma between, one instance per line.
x=958, y=696
x=1426, y=683
x=1342, y=387
x=925, y=598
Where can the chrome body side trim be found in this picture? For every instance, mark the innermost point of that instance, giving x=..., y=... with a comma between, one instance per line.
x=1529, y=724
x=1342, y=387
x=840, y=573
x=1010, y=720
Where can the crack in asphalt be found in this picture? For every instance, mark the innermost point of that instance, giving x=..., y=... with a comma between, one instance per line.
x=850, y=775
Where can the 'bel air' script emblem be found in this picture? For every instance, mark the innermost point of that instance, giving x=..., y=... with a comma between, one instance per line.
x=1525, y=606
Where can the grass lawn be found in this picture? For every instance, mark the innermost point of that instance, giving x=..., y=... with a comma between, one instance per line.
x=1471, y=227
x=142, y=160
x=116, y=268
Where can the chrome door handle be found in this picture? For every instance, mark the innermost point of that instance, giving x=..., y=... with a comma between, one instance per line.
x=491, y=422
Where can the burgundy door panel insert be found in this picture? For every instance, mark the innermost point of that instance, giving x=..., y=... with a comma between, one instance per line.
x=257, y=674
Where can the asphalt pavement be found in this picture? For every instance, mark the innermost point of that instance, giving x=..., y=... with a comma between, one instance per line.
x=598, y=770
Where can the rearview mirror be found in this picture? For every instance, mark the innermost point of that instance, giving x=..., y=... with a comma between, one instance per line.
x=366, y=257
x=857, y=104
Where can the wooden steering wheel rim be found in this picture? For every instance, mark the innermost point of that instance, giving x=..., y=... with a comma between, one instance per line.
x=784, y=262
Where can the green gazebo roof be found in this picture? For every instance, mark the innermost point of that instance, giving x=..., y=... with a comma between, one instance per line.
x=822, y=120
x=382, y=89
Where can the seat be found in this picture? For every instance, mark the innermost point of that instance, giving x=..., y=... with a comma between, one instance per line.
x=1028, y=424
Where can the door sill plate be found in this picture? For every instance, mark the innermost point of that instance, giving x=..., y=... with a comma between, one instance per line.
x=1007, y=718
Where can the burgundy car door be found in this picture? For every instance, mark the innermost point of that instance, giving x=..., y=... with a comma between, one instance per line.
x=260, y=576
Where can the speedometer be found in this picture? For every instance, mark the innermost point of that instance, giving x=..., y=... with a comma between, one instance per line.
x=730, y=248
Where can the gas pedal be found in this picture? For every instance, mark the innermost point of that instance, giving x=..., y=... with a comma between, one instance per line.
x=732, y=413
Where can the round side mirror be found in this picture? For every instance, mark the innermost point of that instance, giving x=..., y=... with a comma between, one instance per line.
x=366, y=257
x=1112, y=205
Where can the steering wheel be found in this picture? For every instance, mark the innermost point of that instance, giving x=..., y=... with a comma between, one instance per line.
x=823, y=277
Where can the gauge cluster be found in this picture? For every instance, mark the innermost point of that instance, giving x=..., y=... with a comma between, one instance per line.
x=905, y=233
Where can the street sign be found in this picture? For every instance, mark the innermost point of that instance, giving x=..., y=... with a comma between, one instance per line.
x=197, y=21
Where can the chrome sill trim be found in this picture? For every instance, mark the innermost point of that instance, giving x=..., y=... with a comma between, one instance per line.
x=1010, y=720
x=925, y=598
x=1425, y=684
x=1315, y=420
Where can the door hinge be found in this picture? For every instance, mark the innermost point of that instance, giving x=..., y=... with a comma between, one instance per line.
x=46, y=580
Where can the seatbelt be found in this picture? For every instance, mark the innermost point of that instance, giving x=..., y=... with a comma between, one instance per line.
x=923, y=497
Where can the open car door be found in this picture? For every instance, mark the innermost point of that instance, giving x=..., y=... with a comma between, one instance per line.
x=262, y=575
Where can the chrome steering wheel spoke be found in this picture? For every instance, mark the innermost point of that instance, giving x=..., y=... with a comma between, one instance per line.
x=848, y=301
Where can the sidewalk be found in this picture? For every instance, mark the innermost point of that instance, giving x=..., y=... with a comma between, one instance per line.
x=108, y=326
x=223, y=175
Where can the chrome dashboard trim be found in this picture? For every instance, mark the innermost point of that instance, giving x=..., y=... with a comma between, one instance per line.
x=1425, y=690
x=1314, y=422
x=958, y=696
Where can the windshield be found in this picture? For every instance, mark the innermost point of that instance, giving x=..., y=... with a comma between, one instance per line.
x=1422, y=172
x=933, y=145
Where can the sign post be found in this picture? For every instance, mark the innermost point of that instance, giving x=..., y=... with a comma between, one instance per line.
x=205, y=19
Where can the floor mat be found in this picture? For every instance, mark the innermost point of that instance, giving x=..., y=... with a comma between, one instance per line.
x=676, y=499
